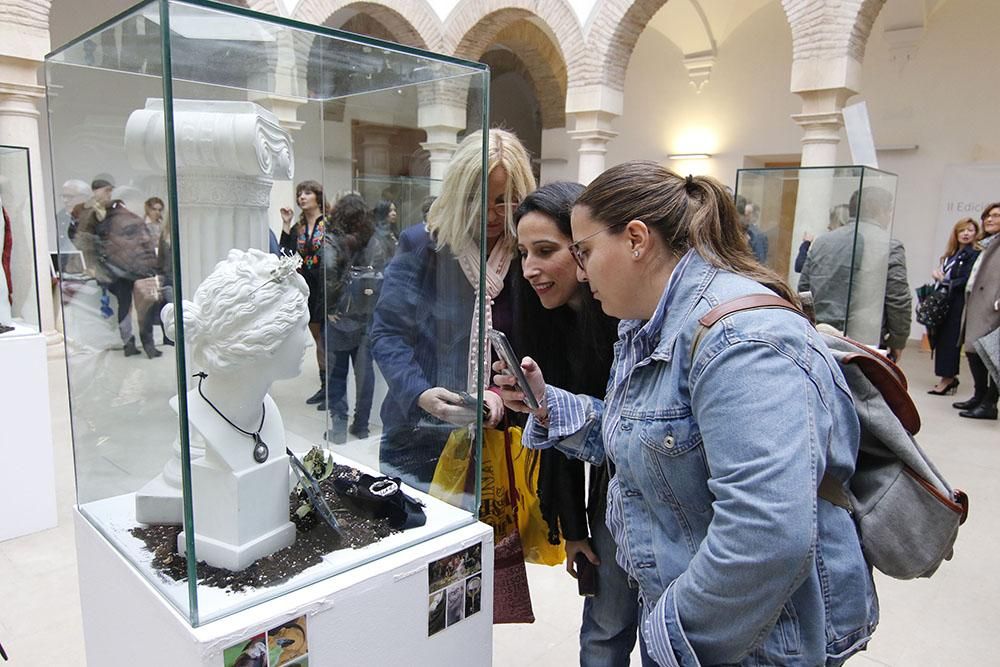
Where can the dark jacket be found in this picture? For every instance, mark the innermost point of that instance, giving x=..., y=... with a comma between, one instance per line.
x=420, y=328
x=860, y=263
x=556, y=340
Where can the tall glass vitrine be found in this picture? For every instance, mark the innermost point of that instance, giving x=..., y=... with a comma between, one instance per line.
x=190, y=340
x=828, y=230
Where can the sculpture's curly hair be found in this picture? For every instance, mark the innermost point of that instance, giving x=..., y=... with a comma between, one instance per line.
x=240, y=312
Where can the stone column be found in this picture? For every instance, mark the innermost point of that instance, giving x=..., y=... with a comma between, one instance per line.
x=821, y=122
x=592, y=108
x=20, y=95
x=824, y=82
x=228, y=156
x=442, y=121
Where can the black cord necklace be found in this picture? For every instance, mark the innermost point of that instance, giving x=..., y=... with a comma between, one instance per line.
x=260, y=450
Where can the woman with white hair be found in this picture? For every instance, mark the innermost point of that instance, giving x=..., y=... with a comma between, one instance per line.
x=425, y=328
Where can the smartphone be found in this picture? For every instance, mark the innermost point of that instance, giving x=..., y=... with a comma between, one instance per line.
x=469, y=401
x=506, y=352
x=586, y=575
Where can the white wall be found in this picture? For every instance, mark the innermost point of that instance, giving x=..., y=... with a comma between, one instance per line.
x=945, y=100
x=743, y=110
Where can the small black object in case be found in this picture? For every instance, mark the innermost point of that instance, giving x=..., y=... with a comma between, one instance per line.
x=586, y=575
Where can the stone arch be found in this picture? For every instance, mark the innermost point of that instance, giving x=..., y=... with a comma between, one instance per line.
x=410, y=22
x=475, y=24
x=613, y=33
x=818, y=28
x=32, y=14
x=539, y=61
x=264, y=6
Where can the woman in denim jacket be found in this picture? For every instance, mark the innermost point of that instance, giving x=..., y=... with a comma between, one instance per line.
x=720, y=447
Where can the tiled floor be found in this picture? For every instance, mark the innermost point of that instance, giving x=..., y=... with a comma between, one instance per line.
x=951, y=619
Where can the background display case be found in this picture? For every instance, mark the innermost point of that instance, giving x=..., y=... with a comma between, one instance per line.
x=219, y=112
x=25, y=426
x=811, y=226
x=19, y=307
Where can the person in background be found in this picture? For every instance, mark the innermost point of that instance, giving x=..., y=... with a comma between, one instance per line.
x=953, y=273
x=839, y=217
x=982, y=316
x=73, y=192
x=101, y=190
x=560, y=325
x=386, y=218
x=719, y=436
x=349, y=248
x=154, y=217
x=861, y=267
x=305, y=237
x=119, y=250
x=421, y=330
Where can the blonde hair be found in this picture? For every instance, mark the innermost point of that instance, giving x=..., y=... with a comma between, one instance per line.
x=454, y=220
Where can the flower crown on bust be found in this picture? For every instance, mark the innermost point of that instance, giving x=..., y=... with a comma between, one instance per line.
x=287, y=265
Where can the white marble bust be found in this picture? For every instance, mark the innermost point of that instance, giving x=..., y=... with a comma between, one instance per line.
x=246, y=327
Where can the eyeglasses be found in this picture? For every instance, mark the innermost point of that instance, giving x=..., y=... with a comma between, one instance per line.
x=501, y=208
x=581, y=255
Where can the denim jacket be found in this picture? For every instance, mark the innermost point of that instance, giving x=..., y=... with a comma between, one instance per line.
x=719, y=458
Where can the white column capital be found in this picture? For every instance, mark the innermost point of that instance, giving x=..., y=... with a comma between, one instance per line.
x=699, y=68
x=285, y=108
x=20, y=99
x=235, y=138
x=592, y=129
x=821, y=121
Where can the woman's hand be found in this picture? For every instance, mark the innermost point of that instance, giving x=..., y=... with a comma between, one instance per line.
x=286, y=219
x=494, y=404
x=450, y=407
x=513, y=396
x=573, y=547
x=937, y=275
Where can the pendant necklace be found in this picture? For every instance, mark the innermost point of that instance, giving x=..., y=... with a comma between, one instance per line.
x=260, y=450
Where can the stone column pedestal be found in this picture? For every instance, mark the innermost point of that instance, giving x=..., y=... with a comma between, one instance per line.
x=228, y=154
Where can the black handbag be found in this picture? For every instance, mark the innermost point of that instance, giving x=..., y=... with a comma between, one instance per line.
x=932, y=306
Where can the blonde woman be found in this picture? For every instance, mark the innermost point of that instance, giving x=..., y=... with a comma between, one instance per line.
x=421, y=327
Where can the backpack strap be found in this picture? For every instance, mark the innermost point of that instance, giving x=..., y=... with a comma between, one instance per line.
x=738, y=305
x=830, y=488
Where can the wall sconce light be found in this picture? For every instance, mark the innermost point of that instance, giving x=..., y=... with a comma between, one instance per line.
x=689, y=156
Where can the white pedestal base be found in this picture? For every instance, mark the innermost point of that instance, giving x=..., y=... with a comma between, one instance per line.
x=27, y=475
x=239, y=516
x=158, y=501
x=373, y=614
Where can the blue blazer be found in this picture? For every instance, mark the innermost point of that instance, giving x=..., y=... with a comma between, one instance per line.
x=420, y=328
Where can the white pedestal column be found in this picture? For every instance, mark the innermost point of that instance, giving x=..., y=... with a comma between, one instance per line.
x=27, y=476
x=228, y=156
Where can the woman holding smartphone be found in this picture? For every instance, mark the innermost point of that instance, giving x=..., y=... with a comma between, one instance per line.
x=421, y=334
x=719, y=447
x=560, y=325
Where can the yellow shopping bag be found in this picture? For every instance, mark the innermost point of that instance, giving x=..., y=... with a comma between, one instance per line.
x=507, y=466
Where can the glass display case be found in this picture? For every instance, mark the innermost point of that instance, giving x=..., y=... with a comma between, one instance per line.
x=828, y=230
x=19, y=309
x=213, y=281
